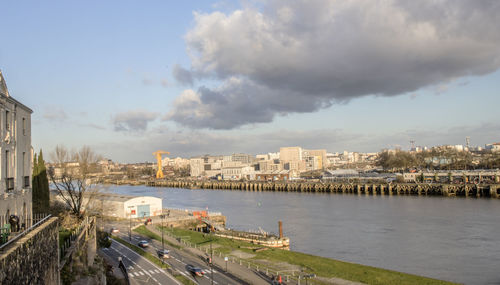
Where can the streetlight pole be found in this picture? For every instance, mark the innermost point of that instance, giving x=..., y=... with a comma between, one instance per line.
x=130, y=224
x=211, y=258
x=162, y=244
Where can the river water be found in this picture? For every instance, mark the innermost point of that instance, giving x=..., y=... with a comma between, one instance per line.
x=454, y=239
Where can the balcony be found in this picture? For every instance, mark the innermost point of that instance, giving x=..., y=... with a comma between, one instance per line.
x=10, y=184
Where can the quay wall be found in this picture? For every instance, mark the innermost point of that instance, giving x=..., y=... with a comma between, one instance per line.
x=421, y=189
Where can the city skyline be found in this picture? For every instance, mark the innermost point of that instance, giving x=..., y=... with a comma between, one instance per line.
x=207, y=77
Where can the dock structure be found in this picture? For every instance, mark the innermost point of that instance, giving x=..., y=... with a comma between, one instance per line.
x=422, y=189
x=417, y=189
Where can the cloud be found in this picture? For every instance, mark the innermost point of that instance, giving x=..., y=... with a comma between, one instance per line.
x=235, y=103
x=182, y=75
x=135, y=121
x=192, y=143
x=56, y=114
x=301, y=56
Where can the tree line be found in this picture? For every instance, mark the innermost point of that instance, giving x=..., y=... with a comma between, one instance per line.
x=437, y=159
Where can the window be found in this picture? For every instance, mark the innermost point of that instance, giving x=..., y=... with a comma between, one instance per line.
x=7, y=121
x=24, y=126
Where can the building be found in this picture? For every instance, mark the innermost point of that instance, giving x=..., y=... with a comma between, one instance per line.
x=16, y=157
x=122, y=206
x=320, y=156
x=291, y=153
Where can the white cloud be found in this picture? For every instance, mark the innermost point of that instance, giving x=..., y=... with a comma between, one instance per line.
x=135, y=121
x=300, y=56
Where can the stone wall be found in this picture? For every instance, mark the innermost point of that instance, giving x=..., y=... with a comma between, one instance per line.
x=33, y=259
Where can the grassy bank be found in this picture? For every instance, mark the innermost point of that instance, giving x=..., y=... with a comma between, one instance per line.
x=145, y=232
x=321, y=266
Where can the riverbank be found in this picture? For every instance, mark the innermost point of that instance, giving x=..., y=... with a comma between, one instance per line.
x=289, y=264
x=414, y=189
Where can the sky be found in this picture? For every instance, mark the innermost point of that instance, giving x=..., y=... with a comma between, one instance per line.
x=128, y=78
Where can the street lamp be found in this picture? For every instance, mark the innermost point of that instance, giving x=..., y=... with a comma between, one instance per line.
x=130, y=224
x=162, y=244
x=211, y=257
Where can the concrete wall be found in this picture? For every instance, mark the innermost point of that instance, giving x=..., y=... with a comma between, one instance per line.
x=33, y=259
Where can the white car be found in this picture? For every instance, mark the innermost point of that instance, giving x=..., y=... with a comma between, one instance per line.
x=114, y=230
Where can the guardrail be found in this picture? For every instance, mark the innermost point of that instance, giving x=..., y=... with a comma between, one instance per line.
x=25, y=232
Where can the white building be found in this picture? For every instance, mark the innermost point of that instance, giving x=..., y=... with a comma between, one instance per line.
x=122, y=206
x=15, y=156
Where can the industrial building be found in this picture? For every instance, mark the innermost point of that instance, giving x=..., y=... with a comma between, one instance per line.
x=122, y=206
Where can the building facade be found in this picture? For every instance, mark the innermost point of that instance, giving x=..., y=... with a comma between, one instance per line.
x=16, y=158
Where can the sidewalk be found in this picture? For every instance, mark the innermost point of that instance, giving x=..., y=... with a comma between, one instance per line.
x=233, y=268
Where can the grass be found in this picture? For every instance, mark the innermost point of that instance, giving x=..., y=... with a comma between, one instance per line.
x=141, y=252
x=184, y=280
x=321, y=266
x=64, y=234
x=144, y=231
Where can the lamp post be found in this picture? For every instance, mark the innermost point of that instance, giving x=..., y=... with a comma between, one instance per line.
x=162, y=244
x=211, y=258
x=130, y=224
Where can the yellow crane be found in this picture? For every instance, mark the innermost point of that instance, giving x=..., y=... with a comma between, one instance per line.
x=157, y=154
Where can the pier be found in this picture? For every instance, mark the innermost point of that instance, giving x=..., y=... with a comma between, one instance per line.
x=416, y=189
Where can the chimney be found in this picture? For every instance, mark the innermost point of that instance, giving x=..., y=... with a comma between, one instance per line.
x=280, y=223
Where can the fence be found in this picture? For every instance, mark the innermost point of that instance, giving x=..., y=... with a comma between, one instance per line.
x=6, y=237
x=75, y=240
x=288, y=275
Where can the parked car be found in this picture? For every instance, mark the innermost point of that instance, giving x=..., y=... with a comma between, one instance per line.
x=114, y=230
x=195, y=271
x=163, y=253
x=143, y=243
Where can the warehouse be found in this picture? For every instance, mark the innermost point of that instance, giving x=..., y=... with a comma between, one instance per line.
x=122, y=206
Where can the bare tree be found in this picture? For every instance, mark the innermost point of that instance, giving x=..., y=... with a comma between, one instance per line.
x=71, y=175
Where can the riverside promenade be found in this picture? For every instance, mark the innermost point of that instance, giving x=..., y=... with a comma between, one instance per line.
x=416, y=189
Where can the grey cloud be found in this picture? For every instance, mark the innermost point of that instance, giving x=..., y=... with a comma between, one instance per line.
x=135, y=121
x=236, y=103
x=194, y=143
x=300, y=56
x=182, y=75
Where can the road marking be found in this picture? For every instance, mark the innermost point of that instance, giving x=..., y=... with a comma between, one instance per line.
x=157, y=271
x=145, y=259
x=136, y=274
x=152, y=272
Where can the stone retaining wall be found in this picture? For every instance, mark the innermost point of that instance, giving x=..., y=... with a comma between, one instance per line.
x=34, y=258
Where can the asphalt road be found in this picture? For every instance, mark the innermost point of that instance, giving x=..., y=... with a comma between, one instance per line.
x=140, y=270
x=178, y=260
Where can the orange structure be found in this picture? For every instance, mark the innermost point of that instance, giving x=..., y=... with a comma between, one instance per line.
x=157, y=154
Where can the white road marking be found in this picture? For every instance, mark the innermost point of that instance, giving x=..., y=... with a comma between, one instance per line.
x=152, y=272
x=136, y=274
x=140, y=272
x=157, y=271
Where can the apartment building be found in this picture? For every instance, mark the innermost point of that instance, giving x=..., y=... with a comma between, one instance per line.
x=15, y=157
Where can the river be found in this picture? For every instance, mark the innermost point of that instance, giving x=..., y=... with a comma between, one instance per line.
x=454, y=239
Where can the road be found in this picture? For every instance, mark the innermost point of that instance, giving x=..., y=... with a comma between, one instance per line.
x=140, y=270
x=178, y=260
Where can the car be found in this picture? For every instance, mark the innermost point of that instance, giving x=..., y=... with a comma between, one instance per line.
x=195, y=271
x=143, y=243
x=163, y=253
x=114, y=230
